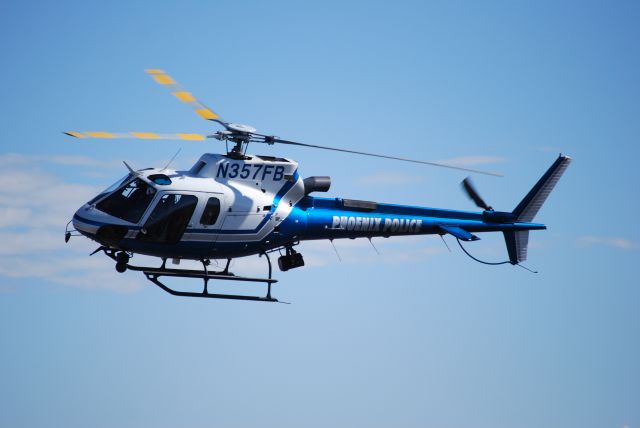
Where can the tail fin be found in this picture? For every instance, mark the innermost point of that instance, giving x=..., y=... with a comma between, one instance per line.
x=517, y=245
x=530, y=205
x=517, y=241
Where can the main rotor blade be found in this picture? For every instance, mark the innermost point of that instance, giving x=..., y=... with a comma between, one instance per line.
x=139, y=135
x=471, y=191
x=184, y=96
x=268, y=140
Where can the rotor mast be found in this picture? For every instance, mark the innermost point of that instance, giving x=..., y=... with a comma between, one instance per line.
x=238, y=134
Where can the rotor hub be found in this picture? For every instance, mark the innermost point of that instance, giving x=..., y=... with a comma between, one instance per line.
x=239, y=127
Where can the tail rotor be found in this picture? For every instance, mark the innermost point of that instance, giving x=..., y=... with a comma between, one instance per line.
x=472, y=193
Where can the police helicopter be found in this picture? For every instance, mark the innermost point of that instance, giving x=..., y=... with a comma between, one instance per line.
x=236, y=204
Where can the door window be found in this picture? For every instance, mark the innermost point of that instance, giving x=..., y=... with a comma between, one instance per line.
x=169, y=219
x=211, y=212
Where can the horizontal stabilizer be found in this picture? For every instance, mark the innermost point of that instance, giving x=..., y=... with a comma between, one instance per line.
x=458, y=232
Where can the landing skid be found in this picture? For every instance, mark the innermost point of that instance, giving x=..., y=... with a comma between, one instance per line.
x=154, y=274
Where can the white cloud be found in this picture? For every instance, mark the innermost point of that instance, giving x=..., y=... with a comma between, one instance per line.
x=12, y=159
x=30, y=241
x=550, y=149
x=392, y=251
x=84, y=161
x=608, y=241
x=14, y=216
x=17, y=159
x=75, y=270
x=473, y=160
x=34, y=209
x=36, y=199
x=392, y=178
x=389, y=179
x=99, y=167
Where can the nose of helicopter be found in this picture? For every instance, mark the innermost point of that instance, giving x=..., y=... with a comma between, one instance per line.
x=95, y=225
x=84, y=223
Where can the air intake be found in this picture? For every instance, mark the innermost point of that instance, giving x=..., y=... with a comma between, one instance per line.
x=316, y=184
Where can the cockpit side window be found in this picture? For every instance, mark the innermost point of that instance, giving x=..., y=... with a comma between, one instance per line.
x=211, y=212
x=128, y=202
x=169, y=219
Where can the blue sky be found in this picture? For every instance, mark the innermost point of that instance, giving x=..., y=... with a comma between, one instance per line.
x=414, y=337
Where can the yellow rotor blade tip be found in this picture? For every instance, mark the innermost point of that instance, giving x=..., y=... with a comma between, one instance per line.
x=163, y=79
x=100, y=134
x=207, y=114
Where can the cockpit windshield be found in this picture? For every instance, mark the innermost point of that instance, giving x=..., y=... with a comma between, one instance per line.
x=109, y=189
x=128, y=202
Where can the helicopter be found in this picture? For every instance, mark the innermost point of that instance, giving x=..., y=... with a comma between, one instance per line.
x=233, y=205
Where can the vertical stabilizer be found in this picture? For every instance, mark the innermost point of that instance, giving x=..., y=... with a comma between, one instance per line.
x=518, y=241
x=531, y=204
x=517, y=245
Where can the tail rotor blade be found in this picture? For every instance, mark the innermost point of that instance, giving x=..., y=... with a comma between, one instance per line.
x=473, y=194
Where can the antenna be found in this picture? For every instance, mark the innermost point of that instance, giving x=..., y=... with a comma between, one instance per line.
x=374, y=247
x=131, y=170
x=445, y=243
x=335, y=249
x=171, y=160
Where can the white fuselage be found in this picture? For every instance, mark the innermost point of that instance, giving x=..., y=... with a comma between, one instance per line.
x=255, y=195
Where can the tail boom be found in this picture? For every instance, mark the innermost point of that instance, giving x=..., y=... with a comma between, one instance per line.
x=335, y=218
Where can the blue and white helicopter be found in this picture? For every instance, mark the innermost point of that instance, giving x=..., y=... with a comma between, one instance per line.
x=235, y=205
